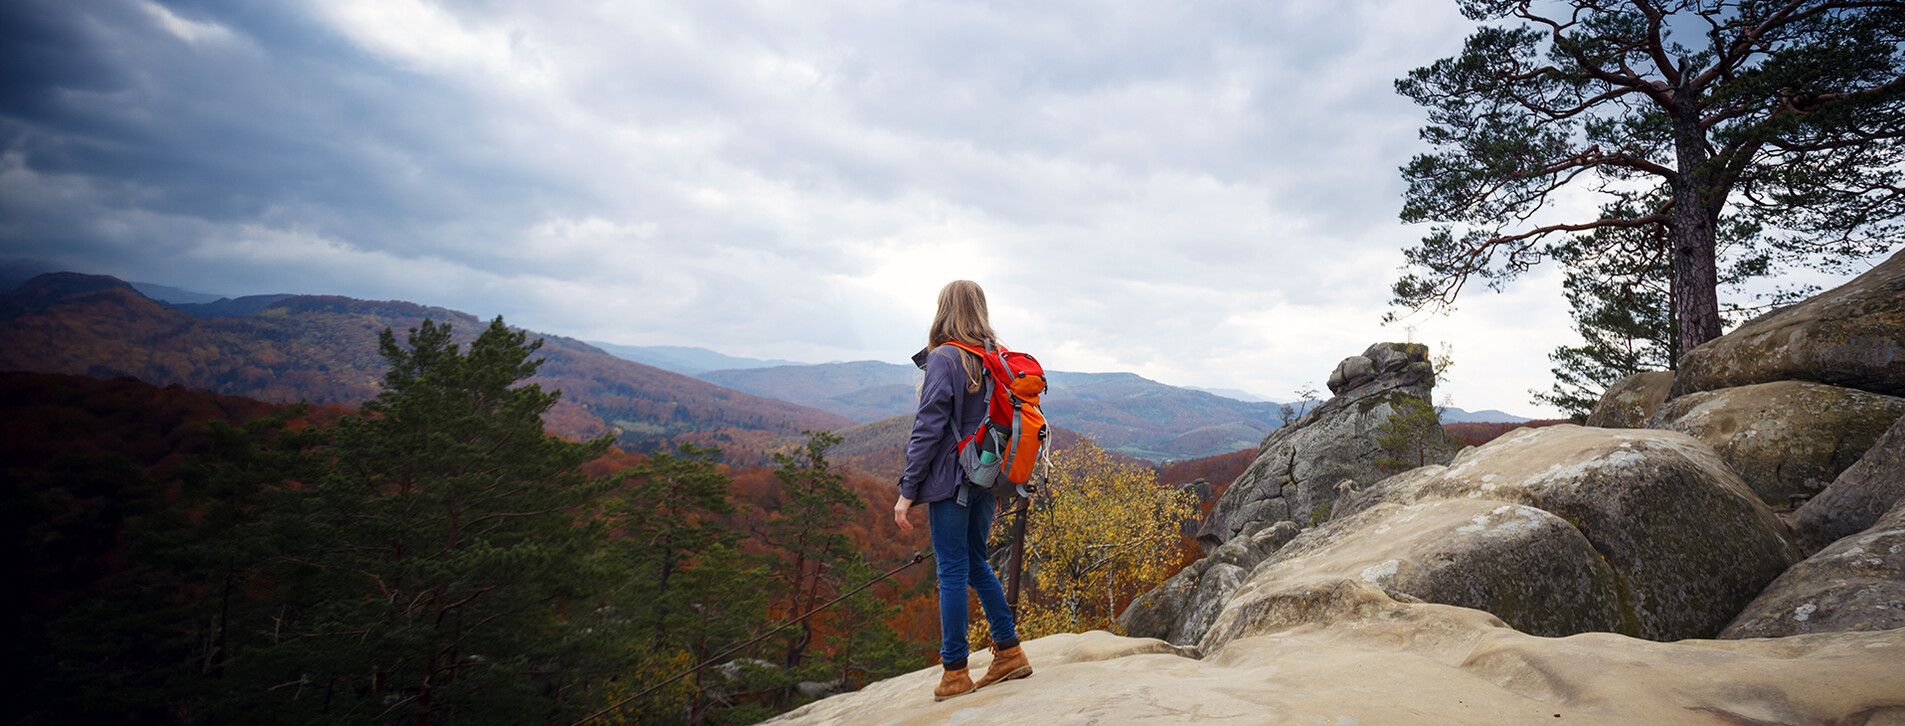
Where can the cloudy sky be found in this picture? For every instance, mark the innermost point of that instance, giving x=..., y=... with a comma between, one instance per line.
x=1201, y=193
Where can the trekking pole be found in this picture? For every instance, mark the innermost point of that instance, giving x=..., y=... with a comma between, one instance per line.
x=1015, y=563
x=917, y=558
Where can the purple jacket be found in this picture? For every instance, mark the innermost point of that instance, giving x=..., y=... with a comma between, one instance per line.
x=932, y=462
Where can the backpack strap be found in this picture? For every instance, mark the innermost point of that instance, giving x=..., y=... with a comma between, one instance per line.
x=961, y=492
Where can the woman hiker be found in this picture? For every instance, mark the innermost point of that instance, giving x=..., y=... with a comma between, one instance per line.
x=952, y=406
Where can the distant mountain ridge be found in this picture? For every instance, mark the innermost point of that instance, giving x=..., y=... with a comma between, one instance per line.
x=687, y=361
x=1124, y=412
x=324, y=349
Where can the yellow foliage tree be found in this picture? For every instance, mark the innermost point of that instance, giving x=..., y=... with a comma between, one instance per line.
x=1101, y=533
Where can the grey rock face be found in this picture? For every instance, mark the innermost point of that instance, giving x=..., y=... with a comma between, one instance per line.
x=1856, y=583
x=1352, y=372
x=1689, y=541
x=1852, y=336
x=1629, y=403
x=1298, y=468
x=1786, y=439
x=1530, y=568
x=1859, y=497
x=1184, y=606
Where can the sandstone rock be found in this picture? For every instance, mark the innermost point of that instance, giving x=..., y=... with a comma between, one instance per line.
x=1528, y=567
x=1630, y=402
x=1182, y=608
x=1160, y=612
x=1859, y=497
x=1787, y=439
x=1298, y=467
x=1856, y=583
x=1417, y=664
x=1852, y=335
x=1684, y=535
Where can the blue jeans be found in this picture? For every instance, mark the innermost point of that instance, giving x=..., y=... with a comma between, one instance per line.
x=959, y=548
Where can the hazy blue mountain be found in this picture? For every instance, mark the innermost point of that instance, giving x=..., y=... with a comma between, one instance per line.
x=226, y=307
x=687, y=361
x=1124, y=412
x=1234, y=393
x=862, y=390
x=172, y=295
x=1456, y=415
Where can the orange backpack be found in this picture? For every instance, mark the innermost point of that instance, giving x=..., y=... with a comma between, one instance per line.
x=1012, y=438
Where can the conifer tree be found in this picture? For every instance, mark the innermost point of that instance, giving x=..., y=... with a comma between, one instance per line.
x=668, y=513
x=805, y=532
x=444, y=546
x=689, y=593
x=1681, y=117
x=1412, y=432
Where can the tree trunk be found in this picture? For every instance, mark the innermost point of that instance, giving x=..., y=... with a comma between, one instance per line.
x=1696, y=277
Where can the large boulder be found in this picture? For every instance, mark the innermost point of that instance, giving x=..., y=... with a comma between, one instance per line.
x=1852, y=335
x=1415, y=664
x=1631, y=401
x=1856, y=583
x=1859, y=497
x=1299, y=467
x=1690, y=543
x=1528, y=567
x=1786, y=439
x=1182, y=608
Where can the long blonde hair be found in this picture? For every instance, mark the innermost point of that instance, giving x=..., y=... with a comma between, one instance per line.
x=962, y=317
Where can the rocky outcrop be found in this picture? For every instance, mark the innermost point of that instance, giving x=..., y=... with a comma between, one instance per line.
x=1184, y=606
x=1629, y=403
x=1689, y=543
x=1859, y=497
x=1528, y=567
x=1298, y=467
x=1856, y=583
x=1851, y=336
x=1410, y=664
x=1787, y=439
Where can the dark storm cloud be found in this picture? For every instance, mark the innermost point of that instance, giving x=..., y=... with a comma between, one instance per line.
x=780, y=180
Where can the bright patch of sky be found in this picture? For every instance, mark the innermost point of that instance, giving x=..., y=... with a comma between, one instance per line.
x=1201, y=193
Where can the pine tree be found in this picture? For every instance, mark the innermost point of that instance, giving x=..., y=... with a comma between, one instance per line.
x=805, y=533
x=1676, y=115
x=1412, y=432
x=689, y=593
x=667, y=513
x=444, y=546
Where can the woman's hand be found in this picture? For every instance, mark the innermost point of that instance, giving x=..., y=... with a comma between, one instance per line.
x=899, y=514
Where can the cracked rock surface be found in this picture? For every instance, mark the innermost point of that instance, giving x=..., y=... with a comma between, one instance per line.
x=1298, y=468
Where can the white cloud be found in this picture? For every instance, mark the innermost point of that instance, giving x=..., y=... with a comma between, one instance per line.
x=1202, y=193
x=191, y=31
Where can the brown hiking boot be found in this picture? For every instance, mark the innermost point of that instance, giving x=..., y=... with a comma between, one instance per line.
x=1007, y=664
x=954, y=682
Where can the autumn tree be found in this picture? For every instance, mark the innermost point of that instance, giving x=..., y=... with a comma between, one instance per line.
x=1683, y=117
x=806, y=534
x=1101, y=533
